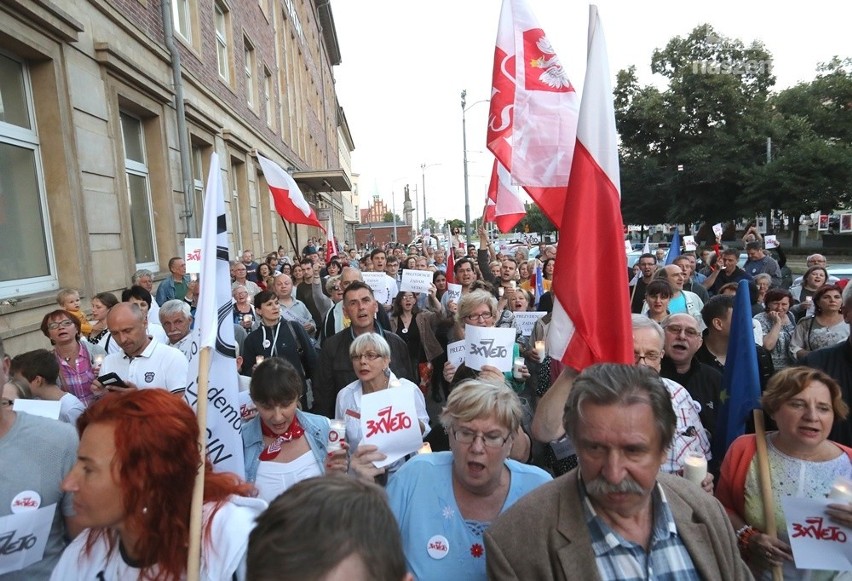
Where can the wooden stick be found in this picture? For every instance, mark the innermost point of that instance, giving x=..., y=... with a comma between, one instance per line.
x=293, y=244
x=766, y=486
x=193, y=564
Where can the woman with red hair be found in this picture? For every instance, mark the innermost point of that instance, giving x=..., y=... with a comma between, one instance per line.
x=132, y=487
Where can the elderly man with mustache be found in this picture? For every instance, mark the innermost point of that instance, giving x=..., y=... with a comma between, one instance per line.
x=616, y=516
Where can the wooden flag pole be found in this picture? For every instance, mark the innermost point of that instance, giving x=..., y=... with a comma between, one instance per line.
x=193, y=565
x=766, y=486
x=293, y=244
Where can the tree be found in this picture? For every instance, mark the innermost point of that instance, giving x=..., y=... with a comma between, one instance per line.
x=686, y=150
x=535, y=220
x=432, y=225
x=388, y=217
x=811, y=165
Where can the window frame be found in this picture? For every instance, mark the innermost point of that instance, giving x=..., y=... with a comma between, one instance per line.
x=28, y=138
x=139, y=169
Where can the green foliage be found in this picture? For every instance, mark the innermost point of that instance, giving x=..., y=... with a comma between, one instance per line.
x=535, y=219
x=388, y=217
x=432, y=224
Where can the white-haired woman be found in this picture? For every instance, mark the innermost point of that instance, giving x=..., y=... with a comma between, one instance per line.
x=370, y=354
x=445, y=501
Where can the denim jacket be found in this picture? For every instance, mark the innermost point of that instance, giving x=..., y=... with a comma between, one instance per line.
x=316, y=431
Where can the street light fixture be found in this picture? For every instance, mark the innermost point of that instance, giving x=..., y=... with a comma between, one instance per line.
x=464, y=145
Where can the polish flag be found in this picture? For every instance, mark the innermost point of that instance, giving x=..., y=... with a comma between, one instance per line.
x=330, y=244
x=289, y=201
x=504, y=207
x=451, y=264
x=591, y=322
x=532, y=122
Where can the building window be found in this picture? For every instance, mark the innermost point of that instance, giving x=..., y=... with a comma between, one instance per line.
x=222, y=48
x=27, y=265
x=182, y=18
x=139, y=192
x=250, y=67
x=198, y=183
x=267, y=97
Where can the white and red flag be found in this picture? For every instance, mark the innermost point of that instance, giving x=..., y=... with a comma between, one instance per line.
x=504, y=206
x=532, y=122
x=330, y=242
x=289, y=201
x=591, y=316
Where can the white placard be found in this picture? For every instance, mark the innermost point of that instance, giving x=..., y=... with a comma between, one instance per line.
x=192, y=255
x=454, y=292
x=770, y=241
x=689, y=244
x=376, y=281
x=416, y=281
x=717, y=230
x=489, y=346
x=817, y=542
x=525, y=320
x=24, y=537
x=38, y=407
x=389, y=422
x=456, y=351
x=628, y=247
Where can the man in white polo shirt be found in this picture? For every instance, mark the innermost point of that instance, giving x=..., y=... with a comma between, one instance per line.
x=142, y=363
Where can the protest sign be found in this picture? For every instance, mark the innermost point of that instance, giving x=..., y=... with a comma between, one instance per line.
x=389, y=422
x=717, y=230
x=689, y=243
x=525, y=320
x=23, y=537
x=456, y=352
x=192, y=254
x=489, y=346
x=376, y=281
x=453, y=292
x=416, y=281
x=770, y=241
x=817, y=541
x=38, y=407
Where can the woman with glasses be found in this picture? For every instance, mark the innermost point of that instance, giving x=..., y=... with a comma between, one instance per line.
x=79, y=361
x=444, y=502
x=244, y=313
x=370, y=355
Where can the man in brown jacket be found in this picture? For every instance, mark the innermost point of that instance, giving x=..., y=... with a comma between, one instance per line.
x=616, y=516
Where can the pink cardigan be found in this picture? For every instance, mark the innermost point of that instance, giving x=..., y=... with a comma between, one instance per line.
x=731, y=488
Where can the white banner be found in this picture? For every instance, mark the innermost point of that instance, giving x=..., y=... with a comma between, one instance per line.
x=389, y=422
x=689, y=244
x=376, y=281
x=817, y=542
x=489, y=346
x=416, y=281
x=771, y=241
x=525, y=320
x=215, y=324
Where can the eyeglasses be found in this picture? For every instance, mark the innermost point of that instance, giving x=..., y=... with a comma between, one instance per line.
x=465, y=436
x=5, y=402
x=335, y=288
x=651, y=357
x=688, y=331
x=370, y=355
x=60, y=324
x=481, y=318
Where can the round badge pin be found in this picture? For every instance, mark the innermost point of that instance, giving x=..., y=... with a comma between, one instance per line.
x=266, y=343
x=26, y=500
x=438, y=547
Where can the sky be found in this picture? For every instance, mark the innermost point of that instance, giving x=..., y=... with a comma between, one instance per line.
x=405, y=63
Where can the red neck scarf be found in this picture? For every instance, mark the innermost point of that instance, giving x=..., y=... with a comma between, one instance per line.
x=294, y=432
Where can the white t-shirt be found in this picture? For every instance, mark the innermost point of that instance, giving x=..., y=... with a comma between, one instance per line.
x=70, y=408
x=223, y=555
x=157, y=366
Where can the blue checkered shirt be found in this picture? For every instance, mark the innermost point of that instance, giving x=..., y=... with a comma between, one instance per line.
x=621, y=560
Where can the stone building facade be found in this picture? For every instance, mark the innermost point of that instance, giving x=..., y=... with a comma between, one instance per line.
x=109, y=114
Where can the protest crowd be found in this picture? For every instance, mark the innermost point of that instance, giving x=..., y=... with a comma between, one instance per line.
x=115, y=467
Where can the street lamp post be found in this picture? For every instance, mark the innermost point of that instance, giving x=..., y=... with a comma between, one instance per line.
x=464, y=145
x=423, y=168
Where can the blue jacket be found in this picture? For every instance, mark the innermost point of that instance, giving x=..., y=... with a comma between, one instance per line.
x=166, y=290
x=316, y=431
